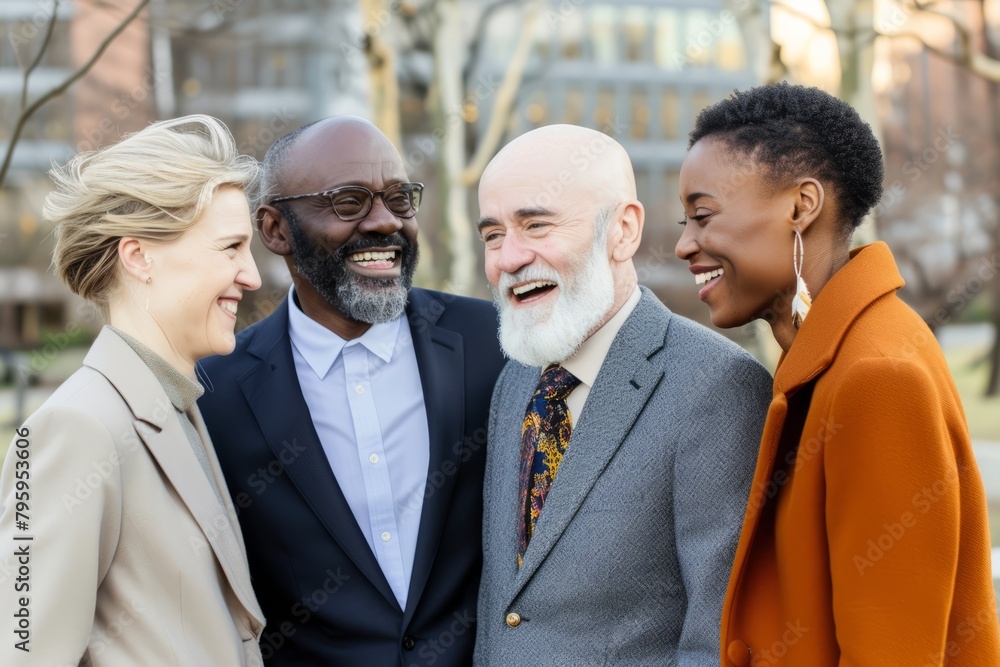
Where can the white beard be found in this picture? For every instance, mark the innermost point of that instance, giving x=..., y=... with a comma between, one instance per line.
x=552, y=333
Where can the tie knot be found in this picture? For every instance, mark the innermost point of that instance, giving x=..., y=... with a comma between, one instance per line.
x=556, y=383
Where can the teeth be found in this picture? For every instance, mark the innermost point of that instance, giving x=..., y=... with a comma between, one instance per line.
x=521, y=289
x=228, y=306
x=368, y=256
x=702, y=278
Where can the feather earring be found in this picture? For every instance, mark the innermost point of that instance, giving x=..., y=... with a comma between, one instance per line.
x=802, y=300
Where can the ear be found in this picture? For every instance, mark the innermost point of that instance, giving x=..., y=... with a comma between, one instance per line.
x=626, y=232
x=134, y=256
x=809, y=198
x=273, y=230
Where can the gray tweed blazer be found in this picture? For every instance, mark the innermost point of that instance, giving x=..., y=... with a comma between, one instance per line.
x=630, y=558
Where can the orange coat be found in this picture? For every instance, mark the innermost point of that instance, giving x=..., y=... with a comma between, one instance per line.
x=867, y=543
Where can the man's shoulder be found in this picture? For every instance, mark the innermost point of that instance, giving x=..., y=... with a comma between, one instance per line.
x=690, y=344
x=426, y=302
x=269, y=330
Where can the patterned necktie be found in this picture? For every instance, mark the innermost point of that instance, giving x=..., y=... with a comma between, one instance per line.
x=544, y=438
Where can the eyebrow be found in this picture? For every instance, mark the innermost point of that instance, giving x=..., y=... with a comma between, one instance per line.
x=691, y=198
x=520, y=214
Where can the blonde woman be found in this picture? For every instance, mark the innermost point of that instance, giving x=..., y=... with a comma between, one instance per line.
x=126, y=548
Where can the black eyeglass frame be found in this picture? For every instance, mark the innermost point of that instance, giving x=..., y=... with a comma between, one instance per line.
x=415, y=192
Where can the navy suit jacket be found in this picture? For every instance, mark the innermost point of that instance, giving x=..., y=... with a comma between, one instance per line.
x=321, y=589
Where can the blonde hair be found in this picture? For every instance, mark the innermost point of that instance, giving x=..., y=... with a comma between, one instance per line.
x=154, y=185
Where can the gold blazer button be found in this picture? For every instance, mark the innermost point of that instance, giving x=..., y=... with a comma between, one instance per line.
x=513, y=620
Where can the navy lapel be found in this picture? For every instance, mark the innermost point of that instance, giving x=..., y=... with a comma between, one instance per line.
x=440, y=358
x=627, y=379
x=273, y=393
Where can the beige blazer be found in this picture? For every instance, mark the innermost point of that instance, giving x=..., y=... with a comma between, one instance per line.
x=125, y=556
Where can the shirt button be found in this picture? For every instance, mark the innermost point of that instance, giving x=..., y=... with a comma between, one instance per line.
x=386, y=537
x=373, y=458
x=359, y=389
x=513, y=620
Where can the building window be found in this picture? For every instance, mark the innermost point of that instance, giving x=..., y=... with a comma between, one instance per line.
x=669, y=113
x=635, y=28
x=639, y=126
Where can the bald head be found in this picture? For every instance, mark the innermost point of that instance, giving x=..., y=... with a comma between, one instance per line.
x=560, y=223
x=568, y=160
x=294, y=158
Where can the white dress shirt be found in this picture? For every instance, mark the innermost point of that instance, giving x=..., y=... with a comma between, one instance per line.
x=587, y=361
x=367, y=406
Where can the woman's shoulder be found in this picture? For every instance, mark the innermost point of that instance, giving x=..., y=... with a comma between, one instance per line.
x=85, y=402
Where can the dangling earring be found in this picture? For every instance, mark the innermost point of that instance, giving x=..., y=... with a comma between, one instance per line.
x=149, y=279
x=802, y=300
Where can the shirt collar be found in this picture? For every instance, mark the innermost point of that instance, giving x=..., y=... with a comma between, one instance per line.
x=320, y=347
x=587, y=361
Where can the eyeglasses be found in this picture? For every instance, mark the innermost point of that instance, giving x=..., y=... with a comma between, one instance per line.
x=354, y=202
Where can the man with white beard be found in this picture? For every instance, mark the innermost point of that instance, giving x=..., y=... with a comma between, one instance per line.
x=622, y=437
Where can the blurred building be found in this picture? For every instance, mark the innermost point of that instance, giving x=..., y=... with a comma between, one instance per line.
x=639, y=71
x=30, y=299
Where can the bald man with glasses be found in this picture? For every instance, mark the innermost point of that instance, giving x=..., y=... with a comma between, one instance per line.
x=350, y=423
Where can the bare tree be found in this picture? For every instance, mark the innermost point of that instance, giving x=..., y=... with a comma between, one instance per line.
x=28, y=110
x=433, y=34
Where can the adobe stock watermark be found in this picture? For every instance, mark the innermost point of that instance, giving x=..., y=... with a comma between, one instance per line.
x=121, y=108
x=944, y=139
x=797, y=458
x=302, y=611
x=923, y=501
x=31, y=26
x=772, y=655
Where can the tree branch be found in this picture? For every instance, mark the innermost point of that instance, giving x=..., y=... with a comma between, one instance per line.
x=505, y=96
x=968, y=57
x=41, y=52
x=28, y=112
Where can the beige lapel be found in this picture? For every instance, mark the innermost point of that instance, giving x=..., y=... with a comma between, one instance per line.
x=157, y=425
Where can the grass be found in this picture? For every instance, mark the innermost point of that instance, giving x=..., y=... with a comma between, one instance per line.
x=970, y=375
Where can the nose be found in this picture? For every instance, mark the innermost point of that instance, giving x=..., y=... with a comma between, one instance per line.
x=249, y=276
x=380, y=220
x=687, y=245
x=513, y=254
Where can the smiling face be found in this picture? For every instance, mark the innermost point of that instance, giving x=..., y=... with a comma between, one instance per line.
x=737, y=236
x=548, y=258
x=197, y=280
x=362, y=269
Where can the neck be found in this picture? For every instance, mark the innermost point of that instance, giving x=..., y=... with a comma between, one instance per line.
x=140, y=325
x=624, y=286
x=319, y=310
x=820, y=267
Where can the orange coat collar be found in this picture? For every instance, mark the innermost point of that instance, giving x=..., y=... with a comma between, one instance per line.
x=870, y=274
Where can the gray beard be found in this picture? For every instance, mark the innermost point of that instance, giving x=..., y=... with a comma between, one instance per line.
x=360, y=298
x=540, y=335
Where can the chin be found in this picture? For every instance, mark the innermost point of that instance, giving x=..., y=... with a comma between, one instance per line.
x=726, y=320
x=223, y=345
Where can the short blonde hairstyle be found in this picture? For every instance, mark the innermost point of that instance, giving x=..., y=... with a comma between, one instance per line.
x=154, y=185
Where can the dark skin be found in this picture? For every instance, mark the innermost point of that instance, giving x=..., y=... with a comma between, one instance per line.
x=335, y=152
x=740, y=221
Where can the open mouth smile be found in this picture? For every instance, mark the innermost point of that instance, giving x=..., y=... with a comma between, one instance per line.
x=375, y=261
x=707, y=277
x=532, y=291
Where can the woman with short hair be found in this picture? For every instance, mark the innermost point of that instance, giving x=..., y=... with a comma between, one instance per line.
x=865, y=541
x=112, y=487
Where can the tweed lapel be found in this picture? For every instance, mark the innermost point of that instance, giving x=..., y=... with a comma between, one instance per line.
x=627, y=379
x=272, y=390
x=165, y=439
